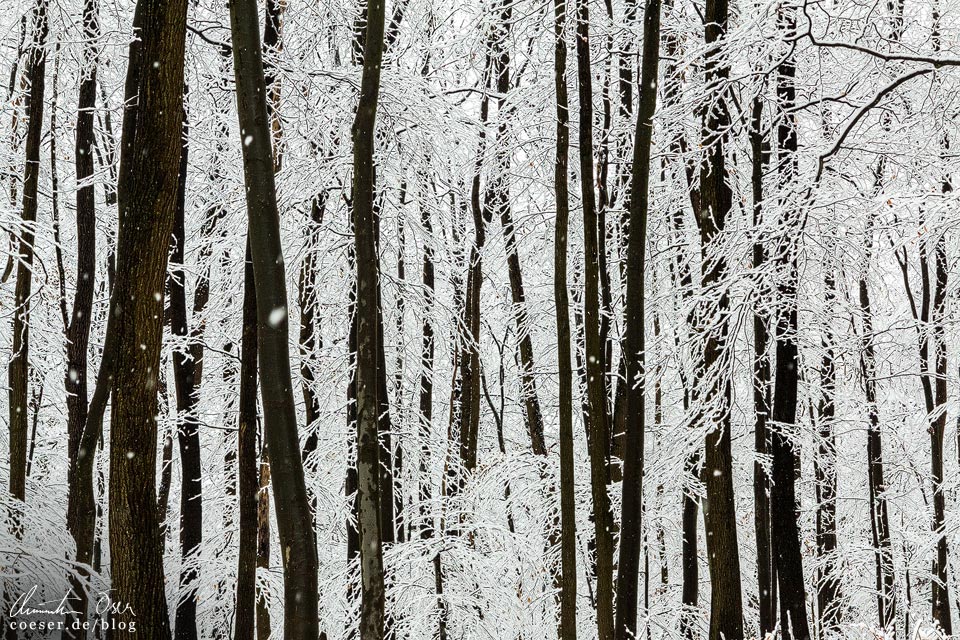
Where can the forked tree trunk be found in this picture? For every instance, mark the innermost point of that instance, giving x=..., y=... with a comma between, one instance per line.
x=599, y=439
x=294, y=521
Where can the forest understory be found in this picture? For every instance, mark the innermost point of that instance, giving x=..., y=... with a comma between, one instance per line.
x=479, y=319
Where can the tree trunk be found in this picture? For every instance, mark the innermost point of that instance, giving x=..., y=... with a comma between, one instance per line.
x=828, y=573
x=78, y=331
x=147, y=198
x=369, y=325
x=599, y=439
x=294, y=520
x=634, y=343
x=879, y=519
x=719, y=512
x=766, y=574
x=497, y=200
x=188, y=427
x=568, y=512
x=246, y=598
x=19, y=368
x=785, y=518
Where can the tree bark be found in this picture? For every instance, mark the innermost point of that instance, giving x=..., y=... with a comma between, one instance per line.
x=634, y=356
x=719, y=512
x=369, y=323
x=147, y=193
x=568, y=513
x=599, y=439
x=294, y=520
x=19, y=367
x=879, y=518
x=828, y=573
x=246, y=597
x=78, y=331
x=188, y=427
x=785, y=517
x=766, y=571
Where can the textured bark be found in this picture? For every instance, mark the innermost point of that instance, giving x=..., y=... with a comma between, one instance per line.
x=425, y=414
x=631, y=530
x=147, y=193
x=369, y=330
x=246, y=598
x=568, y=515
x=294, y=520
x=719, y=512
x=78, y=330
x=785, y=517
x=263, y=538
x=598, y=441
x=766, y=574
x=188, y=427
x=19, y=366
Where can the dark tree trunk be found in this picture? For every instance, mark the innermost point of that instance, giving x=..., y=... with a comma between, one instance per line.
x=634, y=344
x=425, y=432
x=785, y=518
x=246, y=598
x=310, y=337
x=719, y=512
x=497, y=200
x=294, y=520
x=188, y=427
x=369, y=330
x=19, y=367
x=766, y=574
x=828, y=573
x=467, y=425
x=599, y=439
x=78, y=331
x=879, y=518
x=568, y=515
x=147, y=197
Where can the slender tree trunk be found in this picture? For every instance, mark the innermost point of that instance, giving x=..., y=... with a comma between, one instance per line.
x=294, y=520
x=828, y=573
x=498, y=201
x=634, y=344
x=369, y=320
x=147, y=194
x=188, y=427
x=879, y=518
x=246, y=597
x=425, y=413
x=719, y=512
x=310, y=338
x=19, y=367
x=599, y=439
x=568, y=515
x=785, y=520
x=78, y=331
x=766, y=571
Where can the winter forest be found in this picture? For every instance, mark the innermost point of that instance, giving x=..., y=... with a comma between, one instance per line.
x=479, y=319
